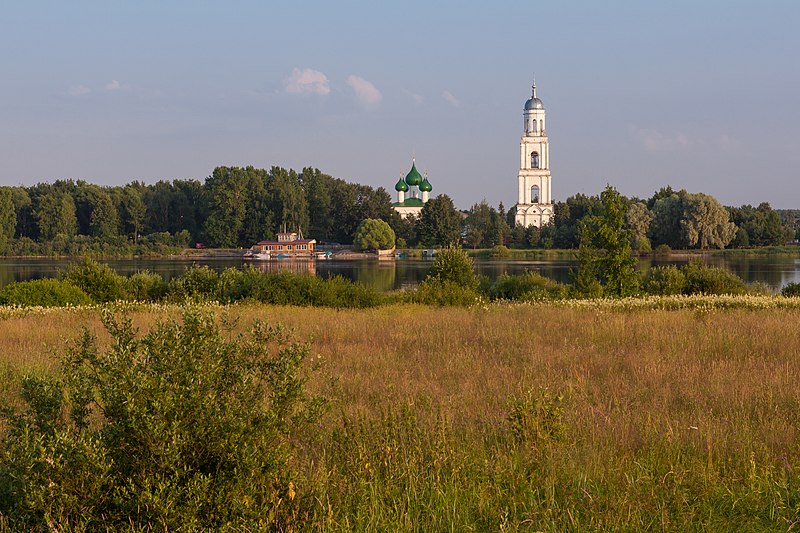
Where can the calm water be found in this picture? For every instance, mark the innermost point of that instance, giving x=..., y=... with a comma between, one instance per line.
x=775, y=271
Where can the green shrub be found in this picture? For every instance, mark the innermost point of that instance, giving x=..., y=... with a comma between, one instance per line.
x=664, y=280
x=455, y=265
x=500, y=251
x=98, y=280
x=144, y=287
x=791, y=289
x=702, y=279
x=528, y=286
x=198, y=283
x=182, y=429
x=43, y=292
x=663, y=250
x=435, y=291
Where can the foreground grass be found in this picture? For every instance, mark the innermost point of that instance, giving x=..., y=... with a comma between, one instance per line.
x=578, y=416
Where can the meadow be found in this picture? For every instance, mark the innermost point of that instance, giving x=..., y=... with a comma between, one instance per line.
x=575, y=416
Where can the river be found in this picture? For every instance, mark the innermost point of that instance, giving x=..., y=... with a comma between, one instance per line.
x=772, y=270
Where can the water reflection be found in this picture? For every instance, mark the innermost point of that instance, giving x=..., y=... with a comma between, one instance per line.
x=774, y=271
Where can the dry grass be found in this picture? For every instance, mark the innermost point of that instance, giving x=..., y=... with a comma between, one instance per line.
x=682, y=419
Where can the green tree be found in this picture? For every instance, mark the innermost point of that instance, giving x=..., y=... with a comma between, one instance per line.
x=289, y=201
x=665, y=228
x=706, y=223
x=104, y=220
x=440, y=223
x=605, y=250
x=226, y=190
x=374, y=234
x=23, y=206
x=133, y=211
x=8, y=218
x=637, y=220
x=318, y=197
x=54, y=212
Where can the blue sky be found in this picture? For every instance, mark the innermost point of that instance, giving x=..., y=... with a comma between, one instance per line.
x=699, y=95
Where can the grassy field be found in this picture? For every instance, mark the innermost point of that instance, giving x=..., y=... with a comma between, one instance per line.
x=526, y=417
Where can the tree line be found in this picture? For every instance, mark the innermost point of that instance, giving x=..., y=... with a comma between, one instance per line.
x=238, y=206
x=677, y=219
x=233, y=207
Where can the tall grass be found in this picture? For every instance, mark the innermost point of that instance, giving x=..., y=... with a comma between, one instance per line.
x=529, y=417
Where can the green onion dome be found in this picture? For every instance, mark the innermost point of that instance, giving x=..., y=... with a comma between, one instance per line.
x=425, y=186
x=401, y=186
x=413, y=177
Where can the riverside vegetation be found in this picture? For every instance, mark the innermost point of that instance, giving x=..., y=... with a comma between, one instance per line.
x=518, y=405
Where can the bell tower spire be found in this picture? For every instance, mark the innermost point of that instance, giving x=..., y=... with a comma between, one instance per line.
x=534, y=201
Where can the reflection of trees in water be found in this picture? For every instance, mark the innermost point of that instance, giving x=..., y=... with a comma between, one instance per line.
x=558, y=270
x=775, y=271
x=380, y=276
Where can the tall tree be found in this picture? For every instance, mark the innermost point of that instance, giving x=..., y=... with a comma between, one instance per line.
x=605, y=251
x=288, y=199
x=54, y=212
x=23, y=207
x=226, y=190
x=706, y=223
x=637, y=220
x=440, y=223
x=8, y=218
x=132, y=211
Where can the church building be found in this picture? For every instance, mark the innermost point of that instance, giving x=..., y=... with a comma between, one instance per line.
x=534, y=201
x=413, y=192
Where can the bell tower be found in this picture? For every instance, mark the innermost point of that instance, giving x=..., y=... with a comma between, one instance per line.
x=534, y=201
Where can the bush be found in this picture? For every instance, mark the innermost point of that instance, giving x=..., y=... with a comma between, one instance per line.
x=179, y=430
x=791, y=290
x=702, y=279
x=43, y=292
x=98, y=280
x=144, y=287
x=435, y=291
x=664, y=281
x=663, y=250
x=198, y=283
x=501, y=251
x=453, y=264
x=528, y=286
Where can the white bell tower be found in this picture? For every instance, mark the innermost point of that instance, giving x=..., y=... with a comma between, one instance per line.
x=534, y=201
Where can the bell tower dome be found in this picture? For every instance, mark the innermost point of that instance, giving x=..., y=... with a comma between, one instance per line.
x=534, y=202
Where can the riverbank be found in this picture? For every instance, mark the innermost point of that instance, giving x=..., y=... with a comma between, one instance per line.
x=612, y=419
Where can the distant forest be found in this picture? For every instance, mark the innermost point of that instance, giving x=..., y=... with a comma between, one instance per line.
x=236, y=207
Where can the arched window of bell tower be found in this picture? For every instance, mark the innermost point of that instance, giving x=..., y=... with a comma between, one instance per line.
x=534, y=126
x=535, y=194
x=534, y=159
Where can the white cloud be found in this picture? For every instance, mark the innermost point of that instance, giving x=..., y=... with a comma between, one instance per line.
x=657, y=142
x=79, y=90
x=307, y=81
x=113, y=85
x=727, y=143
x=367, y=94
x=450, y=99
x=418, y=98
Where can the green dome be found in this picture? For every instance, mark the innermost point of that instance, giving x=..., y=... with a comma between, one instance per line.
x=413, y=177
x=425, y=186
x=401, y=186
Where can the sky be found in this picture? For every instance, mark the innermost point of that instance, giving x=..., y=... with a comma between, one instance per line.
x=700, y=95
